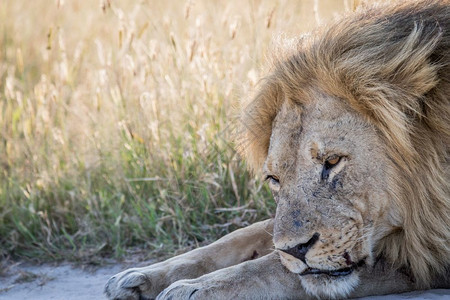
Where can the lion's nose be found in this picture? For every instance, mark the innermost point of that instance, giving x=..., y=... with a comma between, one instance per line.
x=300, y=250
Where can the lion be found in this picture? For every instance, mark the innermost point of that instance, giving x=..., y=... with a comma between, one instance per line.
x=351, y=129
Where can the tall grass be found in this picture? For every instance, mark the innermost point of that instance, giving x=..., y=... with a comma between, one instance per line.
x=116, y=118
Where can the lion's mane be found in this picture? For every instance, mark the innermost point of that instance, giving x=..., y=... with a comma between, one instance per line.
x=391, y=65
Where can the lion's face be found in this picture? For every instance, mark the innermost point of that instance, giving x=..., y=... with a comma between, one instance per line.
x=327, y=172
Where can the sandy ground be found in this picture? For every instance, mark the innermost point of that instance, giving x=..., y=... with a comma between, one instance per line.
x=55, y=282
x=65, y=282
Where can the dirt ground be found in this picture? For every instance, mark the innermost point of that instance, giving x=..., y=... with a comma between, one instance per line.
x=55, y=282
x=65, y=282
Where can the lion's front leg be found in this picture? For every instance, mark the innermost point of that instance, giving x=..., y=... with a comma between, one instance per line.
x=262, y=278
x=146, y=283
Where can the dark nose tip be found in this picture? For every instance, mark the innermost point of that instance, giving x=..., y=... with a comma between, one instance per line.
x=300, y=250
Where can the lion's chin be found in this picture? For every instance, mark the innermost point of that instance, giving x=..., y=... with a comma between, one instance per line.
x=329, y=286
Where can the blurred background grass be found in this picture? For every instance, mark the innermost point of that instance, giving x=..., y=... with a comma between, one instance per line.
x=116, y=121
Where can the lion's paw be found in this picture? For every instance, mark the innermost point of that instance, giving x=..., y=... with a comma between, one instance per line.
x=130, y=284
x=200, y=288
x=184, y=289
x=178, y=290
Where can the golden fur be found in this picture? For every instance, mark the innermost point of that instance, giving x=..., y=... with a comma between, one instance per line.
x=391, y=65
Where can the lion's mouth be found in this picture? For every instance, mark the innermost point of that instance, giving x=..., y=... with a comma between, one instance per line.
x=335, y=273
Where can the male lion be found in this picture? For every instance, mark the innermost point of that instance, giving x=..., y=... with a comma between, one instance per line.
x=352, y=131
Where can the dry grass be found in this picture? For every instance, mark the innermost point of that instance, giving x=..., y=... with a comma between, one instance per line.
x=115, y=121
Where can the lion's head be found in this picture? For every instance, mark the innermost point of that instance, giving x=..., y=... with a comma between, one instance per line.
x=351, y=129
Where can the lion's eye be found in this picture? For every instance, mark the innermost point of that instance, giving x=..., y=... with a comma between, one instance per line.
x=329, y=164
x=333, y=161
x=274, y=182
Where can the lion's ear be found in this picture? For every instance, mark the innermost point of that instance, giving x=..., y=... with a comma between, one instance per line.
x=255, y=128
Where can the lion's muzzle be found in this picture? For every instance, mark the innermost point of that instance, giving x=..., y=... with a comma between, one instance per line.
x=295, y=259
